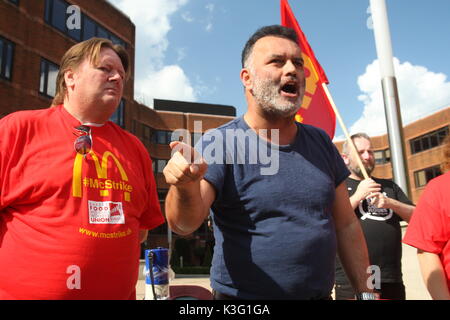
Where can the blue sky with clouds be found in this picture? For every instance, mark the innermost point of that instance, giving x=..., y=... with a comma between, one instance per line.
x=190, y=50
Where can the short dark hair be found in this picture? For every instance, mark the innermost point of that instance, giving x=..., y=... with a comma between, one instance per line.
x=273, y=30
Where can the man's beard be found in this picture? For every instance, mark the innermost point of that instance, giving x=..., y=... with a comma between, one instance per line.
x=357, y=170
x=266, y=93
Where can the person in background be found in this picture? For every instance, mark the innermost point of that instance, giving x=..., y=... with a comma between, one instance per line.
x=277, y=225
x=77, y=193
x=380, y=205
x=429, y=231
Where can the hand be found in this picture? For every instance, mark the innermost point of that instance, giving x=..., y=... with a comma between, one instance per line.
x=367, y=187
x=379, y=200
x=185, y=167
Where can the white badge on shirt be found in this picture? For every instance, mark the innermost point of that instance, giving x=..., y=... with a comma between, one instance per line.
x=106, y=212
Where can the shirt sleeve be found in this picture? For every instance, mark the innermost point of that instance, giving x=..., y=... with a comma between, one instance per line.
x=339, y=167
x=400, y=195
x=152, y=215
x=428, y=229
x=341, y=170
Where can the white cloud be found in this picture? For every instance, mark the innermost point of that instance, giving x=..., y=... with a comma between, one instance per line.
x=209, y=16
x=421, y=92
x=187, y=16
x=168, y=83
x=152, y=78
x=181, y=54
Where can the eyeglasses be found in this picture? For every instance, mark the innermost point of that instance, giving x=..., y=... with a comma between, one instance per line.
x=83, y=144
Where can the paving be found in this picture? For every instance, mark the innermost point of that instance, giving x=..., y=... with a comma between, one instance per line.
x=415, y=288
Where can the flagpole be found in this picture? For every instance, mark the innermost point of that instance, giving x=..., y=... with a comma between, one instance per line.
x=390, y=93
x=347, y=136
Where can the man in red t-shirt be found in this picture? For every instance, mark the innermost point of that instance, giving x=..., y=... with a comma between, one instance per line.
x=77, y=193
x=429, y=232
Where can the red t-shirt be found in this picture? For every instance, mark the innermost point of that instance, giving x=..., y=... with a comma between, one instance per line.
x=69, y=225
x=429, y=228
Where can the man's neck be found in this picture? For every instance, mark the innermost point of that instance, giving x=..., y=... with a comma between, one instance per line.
x=85, y=115
x=287, y=129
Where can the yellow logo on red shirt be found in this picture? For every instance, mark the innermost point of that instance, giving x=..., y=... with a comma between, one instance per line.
x=101, y=182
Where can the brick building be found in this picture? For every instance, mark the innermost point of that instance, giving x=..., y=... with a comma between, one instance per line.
x=34, y=35
x=422, y=147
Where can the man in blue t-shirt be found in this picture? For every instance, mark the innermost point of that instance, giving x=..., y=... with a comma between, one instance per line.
x=276, y=188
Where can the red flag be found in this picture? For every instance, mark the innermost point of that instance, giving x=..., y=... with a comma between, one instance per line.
x=316, y=109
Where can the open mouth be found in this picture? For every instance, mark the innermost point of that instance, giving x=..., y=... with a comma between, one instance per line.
x=289, y=88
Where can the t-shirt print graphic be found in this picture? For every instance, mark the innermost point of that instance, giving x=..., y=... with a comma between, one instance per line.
x=106, y=212
x=370, y=211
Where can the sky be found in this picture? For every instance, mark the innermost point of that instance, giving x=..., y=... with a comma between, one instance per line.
x=190, y=50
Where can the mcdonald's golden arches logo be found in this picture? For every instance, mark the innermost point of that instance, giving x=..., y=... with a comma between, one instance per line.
x=102, y=183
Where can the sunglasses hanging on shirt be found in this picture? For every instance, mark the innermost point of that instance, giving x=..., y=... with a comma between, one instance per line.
x=83, y=144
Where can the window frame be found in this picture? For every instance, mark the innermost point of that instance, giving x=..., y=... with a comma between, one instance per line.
x=427, y=174
x=6, y=58
x=425, y=141
x=385, y=156
x=49, y=16
x=157, y=163
x=47, y=64
x=119, y=113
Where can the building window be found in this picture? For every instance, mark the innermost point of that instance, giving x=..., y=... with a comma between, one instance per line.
x=118, y=115
x=6, y=58
x=47, y=85
x=89, y=28
x=166, y=137
x=158, y=165
x=147, y=133
x=382, y=156
x=161, y=137
x=422, y=177
x=134, y=126
x=56, y=15
x=196, y=136
x=428, y=141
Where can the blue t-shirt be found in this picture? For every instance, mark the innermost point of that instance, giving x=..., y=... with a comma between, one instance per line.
x=273, y=227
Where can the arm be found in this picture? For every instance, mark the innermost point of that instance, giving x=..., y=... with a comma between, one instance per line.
x=190, y=196
x=433, y=275
x=403, y=210
x=365, y=188
x=352, y=247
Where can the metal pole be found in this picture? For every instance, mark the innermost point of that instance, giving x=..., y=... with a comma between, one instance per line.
x=390, y=93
